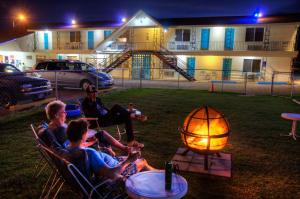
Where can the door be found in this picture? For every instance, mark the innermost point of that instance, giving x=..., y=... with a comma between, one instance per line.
x=90, y=39
x=226, y=70
x=191, y=66
x=141, y=66
x=107, y=33
x=205, y=39
x=46, y=41
x=229, y=39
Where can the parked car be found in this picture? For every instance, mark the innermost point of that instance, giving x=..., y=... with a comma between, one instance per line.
x=16, y=86
x=73, y=74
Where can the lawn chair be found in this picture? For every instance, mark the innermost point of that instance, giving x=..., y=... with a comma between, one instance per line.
x=79, y=180
x=54, y=178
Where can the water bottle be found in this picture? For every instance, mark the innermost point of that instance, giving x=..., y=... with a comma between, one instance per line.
x=168, y=175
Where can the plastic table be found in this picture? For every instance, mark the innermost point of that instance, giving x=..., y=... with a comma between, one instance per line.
x=294, y=117
x=151, y=184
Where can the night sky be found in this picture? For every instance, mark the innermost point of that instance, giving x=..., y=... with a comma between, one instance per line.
x=93, y=10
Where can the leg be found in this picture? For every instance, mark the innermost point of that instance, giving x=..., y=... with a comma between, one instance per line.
x=112, y=141
x=142, y=165
x=120, y=115
x=294, y=127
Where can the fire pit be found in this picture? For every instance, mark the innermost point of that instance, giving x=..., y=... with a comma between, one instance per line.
x=205, y=131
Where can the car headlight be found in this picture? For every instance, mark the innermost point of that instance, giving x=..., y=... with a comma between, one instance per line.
x=48, y=84
x=26, y=87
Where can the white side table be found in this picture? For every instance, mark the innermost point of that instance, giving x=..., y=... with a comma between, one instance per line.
x=151, y=184
x=294, y=117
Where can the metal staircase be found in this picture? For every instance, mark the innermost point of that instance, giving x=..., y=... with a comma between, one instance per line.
x=117, y=60
x=173, y=61
x=163, y=54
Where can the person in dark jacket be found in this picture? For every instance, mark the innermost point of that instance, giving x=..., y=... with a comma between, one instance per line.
x=92, y=106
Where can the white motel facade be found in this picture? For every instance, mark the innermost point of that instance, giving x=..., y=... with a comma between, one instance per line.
x=201, y=49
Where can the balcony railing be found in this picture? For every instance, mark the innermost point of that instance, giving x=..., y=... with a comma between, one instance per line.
x=73, y=45
x=237, y=46
x=120, y=46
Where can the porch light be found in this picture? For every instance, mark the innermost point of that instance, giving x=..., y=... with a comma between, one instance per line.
x=124, y=19
x=258, y=14
x=73, y=21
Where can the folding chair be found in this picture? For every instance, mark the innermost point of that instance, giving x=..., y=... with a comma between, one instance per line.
x=78, y=181
x=54, y=178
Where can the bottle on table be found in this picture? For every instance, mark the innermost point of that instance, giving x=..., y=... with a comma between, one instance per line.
x=168, y=175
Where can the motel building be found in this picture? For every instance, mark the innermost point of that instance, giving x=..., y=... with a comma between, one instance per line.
x=193, y=49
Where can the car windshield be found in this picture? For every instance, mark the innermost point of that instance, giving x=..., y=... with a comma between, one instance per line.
x=6, y=68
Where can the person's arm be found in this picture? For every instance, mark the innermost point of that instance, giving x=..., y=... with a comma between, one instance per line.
x=114, y=173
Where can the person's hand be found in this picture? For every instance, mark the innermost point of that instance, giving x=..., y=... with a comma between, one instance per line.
x=133, y=156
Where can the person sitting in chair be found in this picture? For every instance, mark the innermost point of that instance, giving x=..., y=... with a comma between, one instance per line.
x=92, y=106
x=102, y=164
x=54, y=135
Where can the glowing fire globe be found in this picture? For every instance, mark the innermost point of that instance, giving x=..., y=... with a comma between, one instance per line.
x=205, y=130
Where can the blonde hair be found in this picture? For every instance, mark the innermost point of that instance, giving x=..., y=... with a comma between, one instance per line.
x=53, y=107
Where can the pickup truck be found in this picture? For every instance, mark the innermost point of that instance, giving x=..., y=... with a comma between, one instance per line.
x=16, y=86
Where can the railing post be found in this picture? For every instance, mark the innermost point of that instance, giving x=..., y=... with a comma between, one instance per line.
x=178, y=79
x=222, y=82
x=140, y=77
x=97, y=86
x=122, y=75
x=56, y=91
x=245, y=83
x=292, y=83
x=272, y=83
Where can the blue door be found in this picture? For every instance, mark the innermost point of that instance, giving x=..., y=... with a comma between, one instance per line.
x=226, y=68
x=229, y=38
x=90, y=39
x=107, y=33
x=141, y=66
x=205, y=39
x=191, y=66
x=46, y=41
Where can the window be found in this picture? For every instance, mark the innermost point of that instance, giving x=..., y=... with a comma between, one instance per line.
x=182, y=34
x=254, y=34
x=55, y=65
x=41, y=66
x=251, y=65
x=73, y=66
x=75, y=36
x=10, y=69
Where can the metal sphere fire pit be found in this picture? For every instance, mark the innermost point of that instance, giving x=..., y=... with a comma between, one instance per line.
x=205, y=131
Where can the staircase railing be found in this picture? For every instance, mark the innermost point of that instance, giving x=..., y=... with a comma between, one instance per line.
x=182, y=65
x=108, y=63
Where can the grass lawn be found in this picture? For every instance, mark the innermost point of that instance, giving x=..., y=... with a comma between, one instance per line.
x=265, y=165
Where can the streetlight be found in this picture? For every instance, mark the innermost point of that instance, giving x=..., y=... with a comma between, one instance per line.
x=21, y=18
